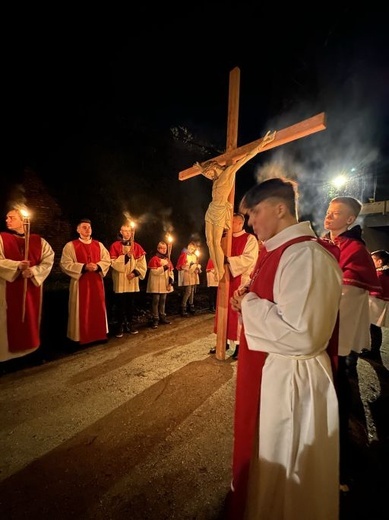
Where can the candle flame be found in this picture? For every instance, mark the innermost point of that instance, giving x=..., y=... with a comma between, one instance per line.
x=169, y=239
x=197, y=252
x=132, y=224
x=24, y=213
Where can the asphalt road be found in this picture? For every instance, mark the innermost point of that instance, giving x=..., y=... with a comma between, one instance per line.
x=141, y=428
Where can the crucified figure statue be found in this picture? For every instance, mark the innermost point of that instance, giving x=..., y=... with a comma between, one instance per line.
x=219, y=213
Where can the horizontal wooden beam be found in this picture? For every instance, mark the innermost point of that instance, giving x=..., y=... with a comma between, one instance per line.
x=286, y=135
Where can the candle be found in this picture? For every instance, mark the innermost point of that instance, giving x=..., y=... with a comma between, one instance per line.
x=26, y=229
x=169, y=245
x=26, y=222
x=132, y=224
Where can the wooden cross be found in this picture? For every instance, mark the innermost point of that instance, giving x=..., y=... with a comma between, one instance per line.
x=286, y=135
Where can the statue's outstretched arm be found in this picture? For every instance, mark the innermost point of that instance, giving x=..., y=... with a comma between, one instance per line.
x=268, y=138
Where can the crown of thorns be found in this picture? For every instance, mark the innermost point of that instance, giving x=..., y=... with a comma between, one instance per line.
x=209, y=165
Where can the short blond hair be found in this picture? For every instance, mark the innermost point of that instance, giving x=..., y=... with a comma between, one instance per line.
x=352, y=203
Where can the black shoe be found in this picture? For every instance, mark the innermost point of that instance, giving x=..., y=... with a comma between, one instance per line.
x=236, y=352
x=164, y=321
x=192, y=309
x=133, y=331
x=154, y=325
x=212, y=350
x=120, y=332
x=370, y=354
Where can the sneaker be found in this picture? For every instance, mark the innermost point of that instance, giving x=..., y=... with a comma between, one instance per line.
x=119, y=333
x=154, y=325
x=213, y=349
x=133, y=331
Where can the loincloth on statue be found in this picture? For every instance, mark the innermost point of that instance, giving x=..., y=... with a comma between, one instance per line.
x=219, y=214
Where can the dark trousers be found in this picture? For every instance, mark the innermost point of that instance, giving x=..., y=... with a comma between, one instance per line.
x=375, y=337
x=188, y=296
x=344, y=400
x=158, y=305
x=124, y=307
x=212, y=297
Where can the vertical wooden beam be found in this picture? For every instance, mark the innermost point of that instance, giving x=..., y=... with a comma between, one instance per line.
x=224, y=283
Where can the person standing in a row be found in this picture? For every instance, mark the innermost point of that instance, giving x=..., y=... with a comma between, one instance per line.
x=241, y=262
x=188, y=268
x=21, y=287
x=160, y=283
x=359, y=277
x=379, y=304
x=86, y=261
x=128, y=267
x=286, y=428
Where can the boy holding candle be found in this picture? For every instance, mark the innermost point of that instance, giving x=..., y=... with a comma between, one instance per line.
x=128, y=267
x=160, y=283
x=188, y=268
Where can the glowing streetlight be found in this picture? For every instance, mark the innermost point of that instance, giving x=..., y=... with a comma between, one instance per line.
x=339, y=181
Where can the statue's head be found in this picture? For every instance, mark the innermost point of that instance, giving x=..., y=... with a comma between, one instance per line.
x=211, y=169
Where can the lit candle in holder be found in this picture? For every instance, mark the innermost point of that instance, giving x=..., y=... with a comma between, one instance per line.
x=26, y=229
x=197, y=253
x=169, y=245
x=132, y=224
x=26, y=222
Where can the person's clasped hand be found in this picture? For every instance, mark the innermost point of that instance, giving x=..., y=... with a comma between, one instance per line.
x=237, y=297
x=91, y=267
x=24, y=264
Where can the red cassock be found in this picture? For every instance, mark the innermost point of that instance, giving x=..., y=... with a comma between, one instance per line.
x=23, y=335
x=92, y=309
x=249, y=377
x=238, y=245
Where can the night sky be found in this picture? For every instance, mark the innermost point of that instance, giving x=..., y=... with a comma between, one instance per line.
x=108, y=106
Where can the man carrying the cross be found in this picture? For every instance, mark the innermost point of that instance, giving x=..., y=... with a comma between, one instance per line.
x=219, y=213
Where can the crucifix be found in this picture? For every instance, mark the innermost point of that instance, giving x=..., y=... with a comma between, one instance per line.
x=228, y=163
